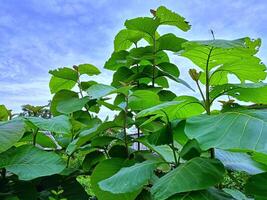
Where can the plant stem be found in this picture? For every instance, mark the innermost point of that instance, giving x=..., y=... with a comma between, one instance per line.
x=202, y=95
x=125, y=125
x=172, y=143
x=154, y=60
x=3, y=173
x=174, y=154
x=35, y=136
x=106, y=152
x=138, y=135
x=69, y=156
x=80, y=89
x=208, y=103
x=138, y=85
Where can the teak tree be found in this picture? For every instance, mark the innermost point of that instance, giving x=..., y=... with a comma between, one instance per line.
x=188, y=147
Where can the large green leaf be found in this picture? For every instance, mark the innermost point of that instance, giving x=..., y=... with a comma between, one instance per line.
x=10, y=133
x=88, y=69
x=104, y=170
x=180, y=107
x=239, y=162
x=126, y=38
x=256, y=186
x=58, y=124
x=245, y=130
x=196, y=174
x=143, y=24
x=65, y=73
x=142, y=99
x=56, y=84
x=130, y=179
x=61, y=96
x=231, y=56
x=71, y=105
x=249, y=92
x=88, y=134
x=29, y=162
x=236, y=194
x=170, y=42
x=4, y=113
x=167, y=17
x=97, y=91
x=209, y=194
x=117, y=60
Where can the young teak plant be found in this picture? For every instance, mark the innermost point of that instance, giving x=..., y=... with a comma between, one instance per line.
x=153, y=144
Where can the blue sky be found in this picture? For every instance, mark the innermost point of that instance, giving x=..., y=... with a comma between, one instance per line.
x=36, y=36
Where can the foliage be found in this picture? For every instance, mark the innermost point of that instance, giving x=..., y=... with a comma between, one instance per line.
x=157, y=145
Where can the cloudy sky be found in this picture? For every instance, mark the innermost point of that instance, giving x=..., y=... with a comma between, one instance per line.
x=36, y=36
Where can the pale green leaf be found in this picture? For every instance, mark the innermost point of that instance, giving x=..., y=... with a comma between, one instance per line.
x=65, y=73
x=167, y=17
x=58, y=124
x=243, y=130
x=98, y=91
x=88, y=69
x=56, y=84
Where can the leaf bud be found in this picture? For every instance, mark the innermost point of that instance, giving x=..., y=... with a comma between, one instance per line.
x=194, y=74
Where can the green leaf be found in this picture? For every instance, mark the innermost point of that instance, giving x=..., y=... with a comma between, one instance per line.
x=71, y=105
x=91, y=159
x=164, y=151
x=169, y=68
x=29, y=162
x=231, y=56
x=122, y=75
x=117, y=60
x=209, y=194
x=104, y=170
x=58, y=124
x=143, y=24
x=126, y=38
x=130, y=179
x=236, y=194
x=260, y=158
x=256, y=186
x=249, y=92
x=239, y=162
x=56, y=84
x=160, y=137
x=98, y=91
x=167, y=17
x=243, y=130
x=180, y=107
x=102, y=141
x=88, y=69
x=170, y=42
x=190, y=150
x=196, y=174
x=4, y=113
x=10, y=133
x=142, y=99
x=61, y=96
x=65, y=73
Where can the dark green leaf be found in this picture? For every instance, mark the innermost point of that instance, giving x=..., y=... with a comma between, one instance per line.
x=104, y=170
x=204, y=173
x=29, y=162
x=10, y=133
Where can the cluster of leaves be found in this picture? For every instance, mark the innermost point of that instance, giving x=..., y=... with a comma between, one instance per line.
x=157, y=145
